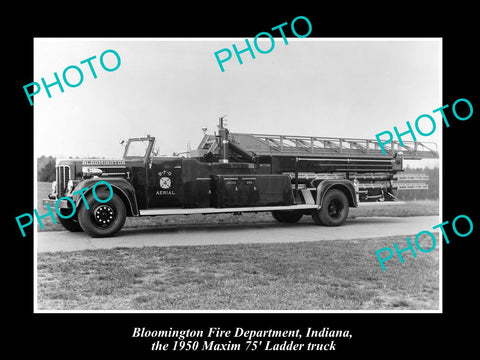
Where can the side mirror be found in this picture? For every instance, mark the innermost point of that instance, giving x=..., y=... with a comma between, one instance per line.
x=155, y=151
x=122, y=142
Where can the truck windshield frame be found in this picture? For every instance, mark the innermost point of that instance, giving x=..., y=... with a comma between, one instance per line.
x=138, y=147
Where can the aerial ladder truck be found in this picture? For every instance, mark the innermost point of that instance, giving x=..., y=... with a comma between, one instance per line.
x=290, y=176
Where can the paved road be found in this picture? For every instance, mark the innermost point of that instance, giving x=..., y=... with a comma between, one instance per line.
x=359, y=228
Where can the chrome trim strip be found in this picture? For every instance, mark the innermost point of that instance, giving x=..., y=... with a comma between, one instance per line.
x=176, y=211
x=380, y=203
x=344, y=159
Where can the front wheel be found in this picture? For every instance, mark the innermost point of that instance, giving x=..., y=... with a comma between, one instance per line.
x=102, y=219
x=334, y=209
x=71, y=224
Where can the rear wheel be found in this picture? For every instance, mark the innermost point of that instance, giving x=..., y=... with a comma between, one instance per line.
x=289, y=216
x=102, y=219
x=334, y=209
x=275, y=216
x=71, y=224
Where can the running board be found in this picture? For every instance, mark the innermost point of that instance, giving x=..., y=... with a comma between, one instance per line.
x=151, y=212
x=380, y=203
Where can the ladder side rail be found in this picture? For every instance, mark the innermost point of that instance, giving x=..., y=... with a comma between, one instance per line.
x=316, y=144
x=423, y=145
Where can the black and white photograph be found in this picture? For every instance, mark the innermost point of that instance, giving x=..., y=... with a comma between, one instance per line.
x=209, y=174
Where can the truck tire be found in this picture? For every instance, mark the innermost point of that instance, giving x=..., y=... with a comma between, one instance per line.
x=102, y=219
x=334, y=209
x=287, y=216
x=71, y=224
x=275, y=216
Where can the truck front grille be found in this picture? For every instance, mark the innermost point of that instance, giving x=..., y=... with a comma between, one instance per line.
x=63, y=175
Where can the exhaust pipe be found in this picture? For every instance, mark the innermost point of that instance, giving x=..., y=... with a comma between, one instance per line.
x=224, y=143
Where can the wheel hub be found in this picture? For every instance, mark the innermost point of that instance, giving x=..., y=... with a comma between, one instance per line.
x=104, y=215
x=333, y=209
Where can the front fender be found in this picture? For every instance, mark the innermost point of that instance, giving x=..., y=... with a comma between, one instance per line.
x=120, y=186
x=344, y=185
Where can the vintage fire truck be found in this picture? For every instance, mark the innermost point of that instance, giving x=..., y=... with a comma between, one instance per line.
x=290, y=176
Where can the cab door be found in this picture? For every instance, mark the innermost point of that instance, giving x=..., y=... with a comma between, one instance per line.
x=165, y=188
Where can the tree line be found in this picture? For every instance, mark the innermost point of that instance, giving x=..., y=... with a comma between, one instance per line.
x=46, y=167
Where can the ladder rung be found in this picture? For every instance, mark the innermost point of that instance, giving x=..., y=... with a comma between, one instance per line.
x=410, y=186
x=403, y=177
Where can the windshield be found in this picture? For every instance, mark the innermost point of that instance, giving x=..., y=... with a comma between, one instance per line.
x=137, y=148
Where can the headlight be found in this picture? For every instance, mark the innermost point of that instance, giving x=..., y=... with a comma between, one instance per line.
x=90, y=171
x=69, y=186
x=54, y=188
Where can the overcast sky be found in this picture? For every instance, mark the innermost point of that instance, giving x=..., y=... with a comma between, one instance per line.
x=170, y=88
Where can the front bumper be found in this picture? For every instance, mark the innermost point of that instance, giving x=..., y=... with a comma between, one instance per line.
x=62, y=204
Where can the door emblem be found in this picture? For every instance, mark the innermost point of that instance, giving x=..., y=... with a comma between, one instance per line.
x=165, y=182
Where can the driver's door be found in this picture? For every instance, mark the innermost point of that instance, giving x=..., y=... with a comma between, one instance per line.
x=165, y=188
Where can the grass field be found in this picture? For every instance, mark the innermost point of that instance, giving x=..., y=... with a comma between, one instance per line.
x=411, y=208
x=333, y=275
